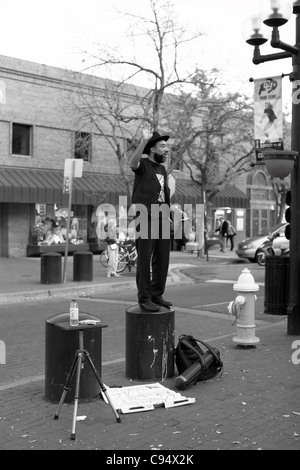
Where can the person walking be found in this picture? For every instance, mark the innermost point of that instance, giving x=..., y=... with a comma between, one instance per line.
x=151, y=195
x=112, y=247
x=230, y=234
x=222, y=229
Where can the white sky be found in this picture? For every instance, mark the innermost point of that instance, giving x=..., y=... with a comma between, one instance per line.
x=55, y=33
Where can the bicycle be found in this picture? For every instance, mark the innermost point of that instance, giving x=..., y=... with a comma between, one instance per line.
x=127, y=256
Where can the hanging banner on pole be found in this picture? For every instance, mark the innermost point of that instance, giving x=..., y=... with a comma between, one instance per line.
x=268, y=122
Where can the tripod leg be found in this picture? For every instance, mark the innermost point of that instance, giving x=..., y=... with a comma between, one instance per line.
x=103, y=388
x=67, y=385
x=79, y=363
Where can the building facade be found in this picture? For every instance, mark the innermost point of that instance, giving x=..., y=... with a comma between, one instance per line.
x=41, y=133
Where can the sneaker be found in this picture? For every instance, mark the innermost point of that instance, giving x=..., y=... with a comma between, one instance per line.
x=115, y=275
x=107, y=275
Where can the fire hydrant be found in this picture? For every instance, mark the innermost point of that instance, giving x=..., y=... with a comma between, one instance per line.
x=243, y=308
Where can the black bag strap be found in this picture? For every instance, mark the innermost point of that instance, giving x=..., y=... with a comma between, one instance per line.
x=212, y=350
x=186, y=343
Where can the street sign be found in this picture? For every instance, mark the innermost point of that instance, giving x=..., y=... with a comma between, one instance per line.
x=66, y=185
x=78, y=167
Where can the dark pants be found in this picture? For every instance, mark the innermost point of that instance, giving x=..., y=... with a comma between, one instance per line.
x=231, y=239
x=155, y=254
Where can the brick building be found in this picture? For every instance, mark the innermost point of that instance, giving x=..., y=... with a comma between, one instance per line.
x=39, y=131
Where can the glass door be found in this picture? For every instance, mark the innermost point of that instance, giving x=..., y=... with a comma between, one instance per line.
x=260, y=222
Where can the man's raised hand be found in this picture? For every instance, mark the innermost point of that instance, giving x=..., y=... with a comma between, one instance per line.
x=146, y=131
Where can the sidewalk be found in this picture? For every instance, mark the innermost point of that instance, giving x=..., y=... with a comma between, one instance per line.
x=254, y=405
x=20, y=278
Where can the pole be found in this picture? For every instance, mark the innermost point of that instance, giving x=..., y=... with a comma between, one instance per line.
x=293, y=309
x=293, y=313
x=68, y=220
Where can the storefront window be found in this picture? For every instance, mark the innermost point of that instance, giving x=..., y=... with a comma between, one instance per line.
x=51, y=227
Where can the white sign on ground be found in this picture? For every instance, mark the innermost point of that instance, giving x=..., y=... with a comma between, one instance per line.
x=145, y=397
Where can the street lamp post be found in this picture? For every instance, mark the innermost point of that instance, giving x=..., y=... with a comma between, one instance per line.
x=274, y=14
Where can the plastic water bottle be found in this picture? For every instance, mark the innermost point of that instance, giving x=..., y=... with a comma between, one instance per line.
x=74, y=313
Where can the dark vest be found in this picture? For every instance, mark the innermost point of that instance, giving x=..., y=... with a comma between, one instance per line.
x=146, y=188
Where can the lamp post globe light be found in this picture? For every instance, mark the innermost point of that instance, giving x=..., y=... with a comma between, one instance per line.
x=273, y=14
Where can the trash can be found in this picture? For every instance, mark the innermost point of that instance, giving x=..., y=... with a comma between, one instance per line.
x=150, y=339
x=83, y=266
x=51, y=268
x=276, y=285
x=60, y=349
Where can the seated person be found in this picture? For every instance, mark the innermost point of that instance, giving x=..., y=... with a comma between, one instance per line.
x=54, y=237
x=47, y=226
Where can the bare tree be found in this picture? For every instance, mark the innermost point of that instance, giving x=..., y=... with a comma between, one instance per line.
x=116, y=109
x=211, y=133
x=113, y=112
x=214, y=135
x=161, y=61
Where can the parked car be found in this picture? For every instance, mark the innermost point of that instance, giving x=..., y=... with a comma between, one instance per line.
x=277, y=245
x=280, y=243
x=266, y=249
x=251, y=247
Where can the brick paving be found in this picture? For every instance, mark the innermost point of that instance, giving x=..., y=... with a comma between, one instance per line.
x=254, y=405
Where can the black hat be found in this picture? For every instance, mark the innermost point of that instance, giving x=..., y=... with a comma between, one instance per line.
x=154, y=139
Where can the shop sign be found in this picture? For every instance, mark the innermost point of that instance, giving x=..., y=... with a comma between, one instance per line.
x=63, y=212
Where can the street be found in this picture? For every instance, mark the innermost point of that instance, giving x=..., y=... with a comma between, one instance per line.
x=23, y=326
x=211, y=289
x=253, y=405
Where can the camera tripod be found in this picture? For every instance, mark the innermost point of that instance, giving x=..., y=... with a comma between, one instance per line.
x=81, y=356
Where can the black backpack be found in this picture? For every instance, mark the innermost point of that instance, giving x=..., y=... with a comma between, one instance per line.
x=193, y=363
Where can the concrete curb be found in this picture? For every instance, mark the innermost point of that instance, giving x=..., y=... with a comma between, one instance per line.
x=58, y=290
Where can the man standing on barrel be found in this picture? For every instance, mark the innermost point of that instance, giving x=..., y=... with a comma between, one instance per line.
x=151, y=195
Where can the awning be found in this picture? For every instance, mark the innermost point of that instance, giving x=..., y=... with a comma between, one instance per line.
x=46, y=187
x=186, y=192
x=232, y=197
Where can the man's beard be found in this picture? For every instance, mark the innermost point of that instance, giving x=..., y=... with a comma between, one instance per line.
x=159, y=158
